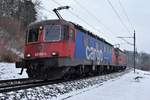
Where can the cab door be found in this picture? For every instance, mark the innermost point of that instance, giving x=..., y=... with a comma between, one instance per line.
x=71, y=41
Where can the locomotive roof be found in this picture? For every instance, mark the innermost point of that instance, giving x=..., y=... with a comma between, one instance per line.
x=120, y=50
x=64, y=22
x=90, y=33
x=46, y=22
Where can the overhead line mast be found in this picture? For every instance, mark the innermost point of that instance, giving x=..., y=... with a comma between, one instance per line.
x=134, y=47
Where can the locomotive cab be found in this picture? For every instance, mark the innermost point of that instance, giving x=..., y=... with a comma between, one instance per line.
x=46, y=41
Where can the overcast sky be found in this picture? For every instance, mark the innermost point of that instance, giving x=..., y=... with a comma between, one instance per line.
x=103, y=21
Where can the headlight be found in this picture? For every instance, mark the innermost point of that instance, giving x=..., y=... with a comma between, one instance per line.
x=28, y=55
x=54, y=53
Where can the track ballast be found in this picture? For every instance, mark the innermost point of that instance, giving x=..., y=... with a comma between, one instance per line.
x=21, y=84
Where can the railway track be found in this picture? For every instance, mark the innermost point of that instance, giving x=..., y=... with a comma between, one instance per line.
x=18, y=84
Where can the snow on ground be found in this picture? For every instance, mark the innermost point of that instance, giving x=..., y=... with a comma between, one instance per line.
x=8, y=71
x=128, y=87
x=131, y=86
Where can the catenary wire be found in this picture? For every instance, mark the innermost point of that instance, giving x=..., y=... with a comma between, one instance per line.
x=118, y=16
x=91, y=14
x=74, y=14
x=125, y=13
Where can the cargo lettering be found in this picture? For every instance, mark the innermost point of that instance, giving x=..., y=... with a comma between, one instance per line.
x=94, y=54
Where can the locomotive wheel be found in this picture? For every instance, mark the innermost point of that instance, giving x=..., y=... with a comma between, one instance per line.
x=47, y=73
x=32, y=73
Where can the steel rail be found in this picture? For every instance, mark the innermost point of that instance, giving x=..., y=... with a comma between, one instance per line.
x=25, y=85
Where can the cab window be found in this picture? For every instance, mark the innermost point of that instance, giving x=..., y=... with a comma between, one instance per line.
x=52, y=32
x=72, y=34
x=33, y=35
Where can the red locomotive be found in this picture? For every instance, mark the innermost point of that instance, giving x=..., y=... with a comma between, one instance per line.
x=118, y=57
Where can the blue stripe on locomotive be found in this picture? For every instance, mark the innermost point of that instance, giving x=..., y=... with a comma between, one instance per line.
x=79, y=46
x=90, y=48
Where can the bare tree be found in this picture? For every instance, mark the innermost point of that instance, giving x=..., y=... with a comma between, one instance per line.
x=15, y=15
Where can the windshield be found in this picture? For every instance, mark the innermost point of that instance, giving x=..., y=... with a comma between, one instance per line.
x=33, y=35
x=52, y=32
